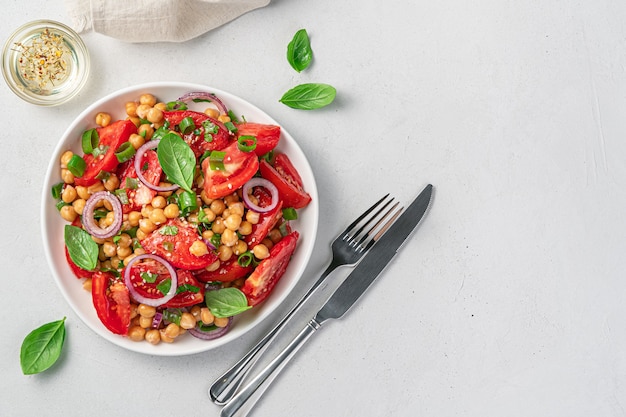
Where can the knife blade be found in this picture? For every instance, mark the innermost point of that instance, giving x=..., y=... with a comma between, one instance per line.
x=339, y=302
x=376, y=260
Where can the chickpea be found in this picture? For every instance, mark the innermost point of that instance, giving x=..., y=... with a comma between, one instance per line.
x=224, y=253
x=131, y=109
x=275, y=235
x=231, y=199
x=164, y=337
x=161, y=106
x=195, y=311
x=136, y=333
x=240, y=247
x=214, y=266
x=260, y=251
x=129, y=258
x=153, y=336
x=187, y=321
x=159, y=202
x=232, y=222
x=141, y=235
x=198, y=248
x=172, y=330
x=79, y=206
x=171, y=211
x=206, y=316
x=103, y=119
x=82, y=192
x=92, y=189
x=146, y=131
x=209, y=215
x=253, y=217
x=268, y=243
x=68, y=194
x=145, y=322
x=136, y=120
x=112, y=183
x=211, y=112
x=206, y=200
x=65, y=158
x=245, y=228
x=158, y=216
x=109, y=249
x=154, y=115
x=217, y=207
x=224, y=118
x=124, y=252
x=145, y=310
x=147, y=226
x=142, y=110
x=221, y=321
x=218, y=226
x=133, y=218
x=68, y=213
x=67, y=176
x=229, y=238
x=147, y=99
x=146, y=210
x=136, y=140
x=237, y=208
x=124, y=240
x=87, y=285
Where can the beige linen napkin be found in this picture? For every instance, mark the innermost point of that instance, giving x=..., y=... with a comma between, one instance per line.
x=155, y=20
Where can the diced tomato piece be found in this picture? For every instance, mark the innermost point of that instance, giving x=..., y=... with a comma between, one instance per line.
x=190, y=291
x=227, y=272
x=111, y=137
x=267, y=221
x=267, y=136
x=137, y=192
x=112, y=302
x=172, y=242
x=197, y=140
x=267, y=273
x=239, y=167
x=77, y=270
x=287, y=179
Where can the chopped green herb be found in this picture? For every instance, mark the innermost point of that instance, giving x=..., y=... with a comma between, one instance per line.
x=77, y=165
x=169, y=230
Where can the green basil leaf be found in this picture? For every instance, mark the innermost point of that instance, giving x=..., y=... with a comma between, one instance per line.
x=42, y=347
x=81, y=247
x=226, y=302
x=299, y=52
x=177, y=160
x=164, y=286
x=309, y=96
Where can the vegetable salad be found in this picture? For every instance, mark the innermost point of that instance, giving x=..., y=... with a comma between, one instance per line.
x=178, y=220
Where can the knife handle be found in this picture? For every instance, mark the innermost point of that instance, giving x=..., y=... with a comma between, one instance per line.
x=244, y=401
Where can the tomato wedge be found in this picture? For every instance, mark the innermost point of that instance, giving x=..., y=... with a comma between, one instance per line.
x=267, y=136
x=137, y=192
x=189, y=289
x=112, y=302
x=239, y=167
x=287, y=179
x=172, y=242
x=111, y=137
x=227, y=272
x=77, y=270
x=267, y=221
x=262, y=281
x=196, y=139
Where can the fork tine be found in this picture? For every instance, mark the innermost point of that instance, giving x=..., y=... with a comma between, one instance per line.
x=374, y=216
x=382, y=229
x=362, y=216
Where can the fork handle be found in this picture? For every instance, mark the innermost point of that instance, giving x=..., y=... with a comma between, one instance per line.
x=225, y=387
x=245, y=400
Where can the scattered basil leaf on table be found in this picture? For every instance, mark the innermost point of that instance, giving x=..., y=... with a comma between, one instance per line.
x=81, y=247
x=309, y=96
x=177, y=160
x=42, y=347
x=299, y=52
x=226, y=302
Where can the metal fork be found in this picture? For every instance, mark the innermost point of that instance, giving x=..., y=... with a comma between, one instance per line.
x=347, y=249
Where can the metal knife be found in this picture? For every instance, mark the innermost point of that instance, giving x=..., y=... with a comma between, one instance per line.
x=338, y=304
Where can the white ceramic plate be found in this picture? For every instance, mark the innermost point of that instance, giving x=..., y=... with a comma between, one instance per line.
x=53, y=224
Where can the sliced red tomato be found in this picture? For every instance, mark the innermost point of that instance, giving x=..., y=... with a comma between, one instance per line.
x=197, y=140
x=267, y=221
x=137, y=192
x=189, y=289
x=265, y=276
x=227, y=272
x=239, y=167
x=267, y=136
x=111, y=301
x=111, y=137
x=287, y=179
x=172, y=241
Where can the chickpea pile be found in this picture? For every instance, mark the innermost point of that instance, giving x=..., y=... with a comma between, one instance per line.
x=227, y=217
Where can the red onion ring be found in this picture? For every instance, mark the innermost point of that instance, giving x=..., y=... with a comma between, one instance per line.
x=260, y=182
x=213, y=334
x=154, y=302
x=90, y=223
x=200, y=95
x=138, y=162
